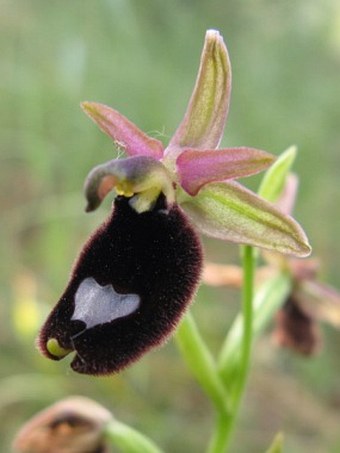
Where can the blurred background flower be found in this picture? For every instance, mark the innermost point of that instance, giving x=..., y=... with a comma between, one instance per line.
x=286, y=61
x=73, y=425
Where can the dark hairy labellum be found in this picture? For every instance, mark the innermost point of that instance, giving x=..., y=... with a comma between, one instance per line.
x=128, y=289
x=296, y=330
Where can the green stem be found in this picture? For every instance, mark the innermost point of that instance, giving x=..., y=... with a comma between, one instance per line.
x=219, y=438
x=128, y=439
x=247, y=311
x=267, y=300
x=225, y=424
x=201, y=363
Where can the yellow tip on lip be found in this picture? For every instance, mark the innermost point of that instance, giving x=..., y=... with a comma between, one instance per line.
x=55, y=349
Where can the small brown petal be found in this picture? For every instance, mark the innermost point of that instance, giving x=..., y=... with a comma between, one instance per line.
x=296, y=330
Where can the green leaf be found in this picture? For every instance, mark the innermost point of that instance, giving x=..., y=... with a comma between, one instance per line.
x=128, y=439
x=267, y=301
x=277, y=444
x=231, y=212
x=201, y=363
x=274, y=179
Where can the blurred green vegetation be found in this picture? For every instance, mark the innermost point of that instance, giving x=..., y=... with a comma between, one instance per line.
x=141, y=57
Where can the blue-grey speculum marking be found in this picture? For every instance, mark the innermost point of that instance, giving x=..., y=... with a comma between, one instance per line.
x=96, y=304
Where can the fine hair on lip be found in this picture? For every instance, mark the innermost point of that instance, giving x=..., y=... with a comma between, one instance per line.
x=155, y=258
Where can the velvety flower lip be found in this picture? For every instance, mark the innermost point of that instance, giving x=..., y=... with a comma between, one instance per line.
x=153, y=260
x=295, y=330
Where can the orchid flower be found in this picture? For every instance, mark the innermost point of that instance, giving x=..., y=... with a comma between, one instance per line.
x=79, y=425
x=309, y=300
x=75, y=424
x=138, y=273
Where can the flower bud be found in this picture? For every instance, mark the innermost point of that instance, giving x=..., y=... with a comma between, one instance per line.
x=72, y=425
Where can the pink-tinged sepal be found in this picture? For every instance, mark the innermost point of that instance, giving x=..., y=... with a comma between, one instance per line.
x=195, y=168
x=204, y=120
x=124, y=133
x=231, y=212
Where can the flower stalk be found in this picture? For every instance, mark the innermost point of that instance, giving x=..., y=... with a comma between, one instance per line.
x=247, y=312
x=225, y=424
